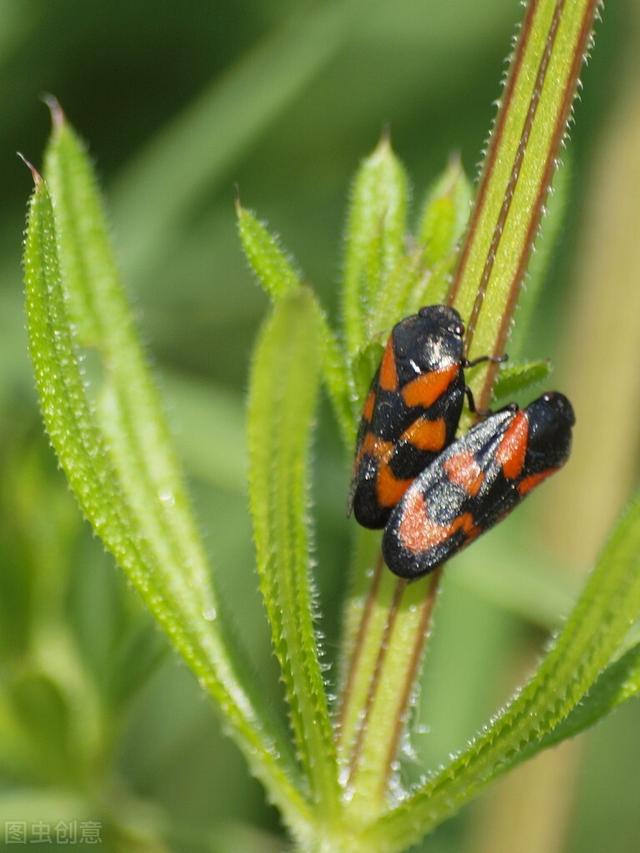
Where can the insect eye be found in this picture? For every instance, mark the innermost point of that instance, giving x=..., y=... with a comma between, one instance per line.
x=458, y=330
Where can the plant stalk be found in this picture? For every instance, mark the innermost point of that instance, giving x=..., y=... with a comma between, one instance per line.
x=516, y=176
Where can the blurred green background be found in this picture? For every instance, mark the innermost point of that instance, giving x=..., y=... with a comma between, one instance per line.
x=181, y=104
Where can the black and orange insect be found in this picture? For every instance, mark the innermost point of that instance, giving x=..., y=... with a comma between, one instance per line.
x=412, y=410
x=475, y=482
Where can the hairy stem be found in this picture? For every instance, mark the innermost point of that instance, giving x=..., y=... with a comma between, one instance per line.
x=516, y=176
x=517, y=173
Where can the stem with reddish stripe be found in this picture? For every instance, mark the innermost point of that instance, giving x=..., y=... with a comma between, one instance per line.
x=517, y=174
x=516, y=177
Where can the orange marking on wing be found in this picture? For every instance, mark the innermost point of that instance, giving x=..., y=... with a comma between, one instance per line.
x=388, y=379
x=513, y=447
x=389, y=488
x=426, y=435
x=463, y=470
x=425, y=389
x=530, y=482
x=373, y=445
x=369, y=405
x=467, y=524
x=376, y=446
x=415, y=530
x=419, y=533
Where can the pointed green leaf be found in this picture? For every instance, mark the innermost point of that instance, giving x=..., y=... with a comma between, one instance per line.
x=282, y=398
x=278, y=274
x=405, y=285
x=589, y=640
x=514, y=378
x=128, y=407
x=445, y=214
x=376, y=231
x=431, y=287
x=111, y=493
x=444, y=218
x=273, y=267
x=364, y=366
x=336, y=378
x=421, y=277
x=619, y=682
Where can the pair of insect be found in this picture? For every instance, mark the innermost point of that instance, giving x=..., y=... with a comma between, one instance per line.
x=432, y=494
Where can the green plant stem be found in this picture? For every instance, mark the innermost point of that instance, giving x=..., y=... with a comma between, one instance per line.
x=360, y=665
x=379, y=684
x=396, y=658
x=591, y=637
x=517, y=172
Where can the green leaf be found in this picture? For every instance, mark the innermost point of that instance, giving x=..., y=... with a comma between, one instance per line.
x=376, y=231
x=619, y=682
x=364, y=366
x=128, y=408
x=109, y=471
x=590, y=638
x=282, y=398
x=278, y=275
x=420, y=277
x=445, y=214
x=514, y=378
x=444, y=218
x=336, y=378
x=273, y=267
x=406, y=284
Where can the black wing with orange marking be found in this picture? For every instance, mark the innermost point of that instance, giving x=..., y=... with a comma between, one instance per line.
x=476, y=482
x=411, y=412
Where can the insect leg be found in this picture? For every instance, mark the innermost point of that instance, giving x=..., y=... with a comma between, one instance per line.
x=494, y=359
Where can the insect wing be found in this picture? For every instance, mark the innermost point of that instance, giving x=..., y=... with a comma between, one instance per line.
x=476, y=482
x=411, y=412
x=438, y=515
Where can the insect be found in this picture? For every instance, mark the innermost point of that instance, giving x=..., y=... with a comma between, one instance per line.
x=475, y=482
x=412, y=410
